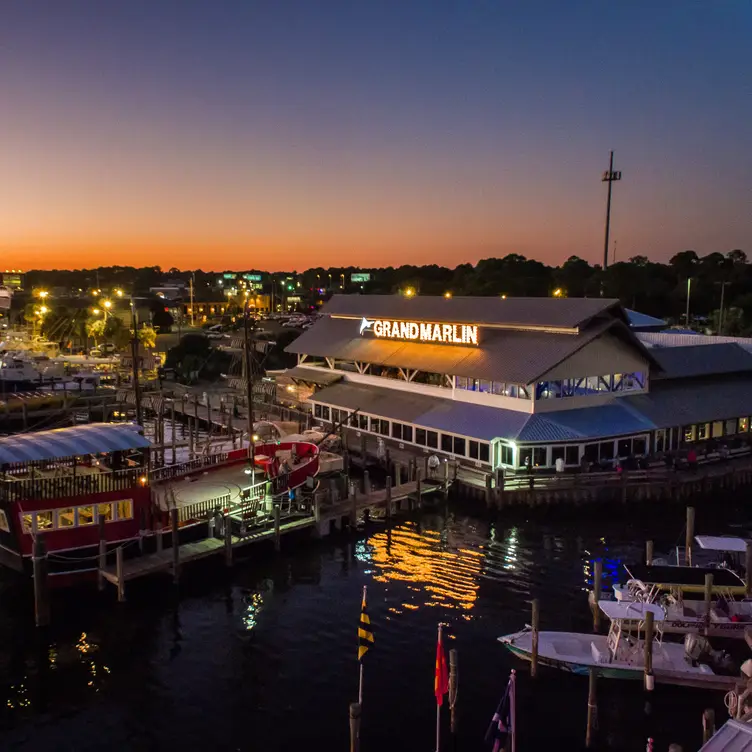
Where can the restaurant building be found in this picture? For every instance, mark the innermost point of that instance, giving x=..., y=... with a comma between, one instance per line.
x=507, y=382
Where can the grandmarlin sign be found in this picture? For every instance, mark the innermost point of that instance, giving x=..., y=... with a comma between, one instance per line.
x=421, y=331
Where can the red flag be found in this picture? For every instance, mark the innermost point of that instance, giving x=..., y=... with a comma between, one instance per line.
x=441, y=679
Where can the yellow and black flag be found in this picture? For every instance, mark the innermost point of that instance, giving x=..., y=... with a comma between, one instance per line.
x=365, y=630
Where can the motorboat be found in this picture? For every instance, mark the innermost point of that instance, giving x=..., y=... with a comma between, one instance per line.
x=621, y=653
x=17, y=373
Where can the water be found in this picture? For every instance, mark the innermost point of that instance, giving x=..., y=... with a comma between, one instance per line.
x=263, y=657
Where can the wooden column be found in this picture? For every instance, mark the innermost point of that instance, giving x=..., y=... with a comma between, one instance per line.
x=41, y=586
x=354, y=726
x=120, y=574
x=649, y=553
x=689, y=540
x=708, y=600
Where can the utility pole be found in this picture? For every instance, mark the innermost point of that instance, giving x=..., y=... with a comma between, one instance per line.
x=608, y=177
x=689, y=290
x=192, y=319
x=249, y=386
x=134, y=353
x=720, y=313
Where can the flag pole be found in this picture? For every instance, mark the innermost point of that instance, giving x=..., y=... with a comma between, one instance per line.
x=438, y=711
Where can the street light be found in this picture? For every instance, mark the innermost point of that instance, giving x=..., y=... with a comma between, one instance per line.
x=558, y=292
x=409, y=292
x=42, y=293
x=119, y=293
x=447, y=294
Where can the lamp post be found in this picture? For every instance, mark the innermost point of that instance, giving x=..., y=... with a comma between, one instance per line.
x=609, y=177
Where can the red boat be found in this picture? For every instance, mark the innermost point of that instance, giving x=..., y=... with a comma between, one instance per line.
x=57, y=483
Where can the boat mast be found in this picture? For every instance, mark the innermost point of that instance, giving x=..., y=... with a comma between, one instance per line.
x=134, y=353
x=249, y=386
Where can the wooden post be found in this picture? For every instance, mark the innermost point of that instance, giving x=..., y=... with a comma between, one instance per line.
x=190, y=438
x=366, y=483
x=690, y=536
x=417, y=484
x=173, y=439
x=453, y=680
x=277, y=532
x=708, y=600
x=354, y=726
x=649, y=651
x=649, y=553
x=175, y=545
x=536, y=629
x=102, y=563
x=597, y=587
x=592, y=707
x=748, y=569
x=228, y=540
x=41, y=588
x=708, y=725
x=388, y=498
x=208, y=416
x=119, y=572
x=489, y=490
x=354, y=508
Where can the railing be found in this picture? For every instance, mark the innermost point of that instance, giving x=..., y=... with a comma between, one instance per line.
x=185, y=468
x=201, y=509
x=12, y=489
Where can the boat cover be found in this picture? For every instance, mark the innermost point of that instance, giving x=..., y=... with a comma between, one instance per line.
x=721, y=543
x=682, y=575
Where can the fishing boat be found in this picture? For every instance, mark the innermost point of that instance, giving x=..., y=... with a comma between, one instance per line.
x=59, y=483
x=618, y=655
x=682, y=580
x=17, y=373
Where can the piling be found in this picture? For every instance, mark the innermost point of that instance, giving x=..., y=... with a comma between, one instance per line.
x=102, y=552
x=41, y=586
x=417, y=483
x=453, y=684
x=228, y=540
x=173, y=439
x=354, y=508
x=175, y=545
x=366, y=483
x=748, y=569
x=119, y=572
x=592, y=707
x=160, y=539
x=690, y=536
x=708, y=600
x=597, y=586
x=649, y=553
x=708, y=724
x=388, y=498
x=489, y=490
x=354, y=726
x=277, y=532
x=649, y=678
x=536, y=629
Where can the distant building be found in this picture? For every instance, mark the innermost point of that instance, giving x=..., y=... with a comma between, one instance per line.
x=12, y=279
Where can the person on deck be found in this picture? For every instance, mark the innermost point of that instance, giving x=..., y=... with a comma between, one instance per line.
x=433, y=465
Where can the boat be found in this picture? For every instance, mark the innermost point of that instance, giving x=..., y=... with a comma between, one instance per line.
x=57, y=483
x=17, y=373
x=683, y=580
x=618, y=655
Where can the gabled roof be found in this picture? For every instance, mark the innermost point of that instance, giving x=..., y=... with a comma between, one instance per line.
x=639, y=320
x=512, y=313
x=92, y=438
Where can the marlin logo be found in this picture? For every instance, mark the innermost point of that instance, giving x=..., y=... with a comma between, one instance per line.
x=365, y=324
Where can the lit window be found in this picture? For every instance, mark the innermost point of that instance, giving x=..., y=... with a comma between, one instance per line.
x=85, y=515
x=45, y=520
x=104, y=510
x=125, y=510
x=66, y=517
x=26, y=522
x=743, y=425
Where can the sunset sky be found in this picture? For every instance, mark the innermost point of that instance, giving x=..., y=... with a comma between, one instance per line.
x=293, y=133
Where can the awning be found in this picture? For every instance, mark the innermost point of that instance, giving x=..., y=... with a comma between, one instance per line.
x=92, y=438
x=313, y=375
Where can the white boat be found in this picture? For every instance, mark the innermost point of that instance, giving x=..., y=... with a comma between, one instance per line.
x=17, y=373
x=618, y=655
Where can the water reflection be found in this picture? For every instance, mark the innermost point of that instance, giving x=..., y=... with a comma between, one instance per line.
x=437, y=571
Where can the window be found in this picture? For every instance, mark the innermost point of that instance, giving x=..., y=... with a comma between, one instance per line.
x=325, y=412
x=125, y=509
x=66, y=517
x=639, y=446
x=26, y=522
x=523, y=393
x=730, y=428
x=484, y=386
x=363, y=422
x=606, y=450
x=557, y=453
x=703, y=431
x=506, y=454
x=459, y=446
x=85, y=516
x=461, y=382
x=572, y=455
x=446, y=443
x=407, y=433
x=420, y=436
x=432, y=439
x=743, y=425
x=105, y=510
x=317, y=411
x=498, y=387
x=539, y=456
x=374, y=425
x=591, y=452
x=625, y=448
x=473, y=450
x=717, y=429
x=689, y=433
x=485, y=452
x=45, y=520
x=335, y=415
x=525, y=456
x=397, y=430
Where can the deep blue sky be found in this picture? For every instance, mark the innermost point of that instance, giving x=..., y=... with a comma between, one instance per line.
x=224, y=133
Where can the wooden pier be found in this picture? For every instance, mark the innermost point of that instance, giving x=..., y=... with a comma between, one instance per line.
x=327, y=512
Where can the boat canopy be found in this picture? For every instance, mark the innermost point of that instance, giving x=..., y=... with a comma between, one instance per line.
x=92, y=438
x=721, y=543
x=616, y=610
x=667, y=576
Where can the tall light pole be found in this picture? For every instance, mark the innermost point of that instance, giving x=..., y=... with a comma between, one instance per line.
x=689, y=289
x=608, y=177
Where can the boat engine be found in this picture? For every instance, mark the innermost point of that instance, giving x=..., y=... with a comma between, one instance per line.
x=697, y=649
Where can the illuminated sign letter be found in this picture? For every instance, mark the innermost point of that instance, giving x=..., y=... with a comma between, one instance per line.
x=377, y=328
x=404, y=330
x=446, y=333
x=413, y=330
x=472, y=335
x=436, y=336
x=425, y=332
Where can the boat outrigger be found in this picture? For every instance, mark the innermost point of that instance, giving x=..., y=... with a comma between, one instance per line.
x=621, y=653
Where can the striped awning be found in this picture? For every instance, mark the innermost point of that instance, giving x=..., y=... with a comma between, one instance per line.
x=92, y=438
